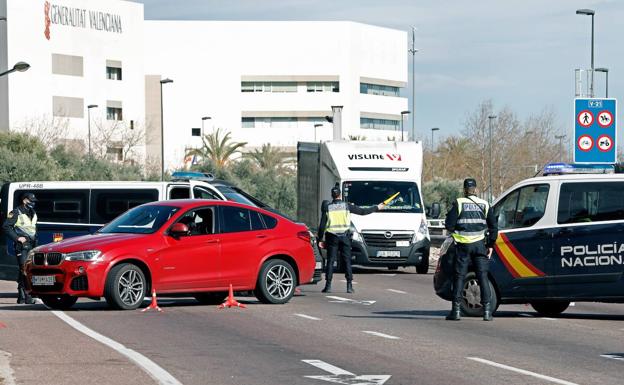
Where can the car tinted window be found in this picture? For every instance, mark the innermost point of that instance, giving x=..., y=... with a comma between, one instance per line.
x=141, y=220
x=235, y=219
x=523, y=207
x=107, y=205
x=62, y=205
x=199, y=222
x=180, y=193
x=591, y=202
x=269, y=221
x=256, y=221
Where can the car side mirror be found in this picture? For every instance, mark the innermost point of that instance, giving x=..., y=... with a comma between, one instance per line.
x=435, y=210
x=179, y=230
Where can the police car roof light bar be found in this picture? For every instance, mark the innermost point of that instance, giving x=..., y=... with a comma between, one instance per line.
x=572, y=168
x=192, y=175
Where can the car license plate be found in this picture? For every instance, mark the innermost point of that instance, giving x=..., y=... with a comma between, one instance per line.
x=389, y=253
x=43, y=280
x=402, y=244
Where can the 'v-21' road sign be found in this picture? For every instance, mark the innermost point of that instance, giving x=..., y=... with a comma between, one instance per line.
x=595, y=130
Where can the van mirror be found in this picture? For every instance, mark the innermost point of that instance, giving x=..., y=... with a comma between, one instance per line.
x=435, y=210
x=179, y=230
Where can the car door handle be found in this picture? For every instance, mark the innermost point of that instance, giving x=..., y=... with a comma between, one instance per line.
x=261, y=236
x=213, y=241
x=542, y=234
x=565, y=231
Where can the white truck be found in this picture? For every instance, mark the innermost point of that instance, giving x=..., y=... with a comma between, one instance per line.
x=369, y=173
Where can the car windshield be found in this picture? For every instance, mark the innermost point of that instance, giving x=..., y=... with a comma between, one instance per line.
x=405, y=195
x=233, y=195
x=141, y=220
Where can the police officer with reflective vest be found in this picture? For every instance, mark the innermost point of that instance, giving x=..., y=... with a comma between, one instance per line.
x=335, y=226
x=473, y=227
x=21, y=227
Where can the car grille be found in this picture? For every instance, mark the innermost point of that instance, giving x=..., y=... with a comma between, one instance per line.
x=51, y=259
x=387, y=259
x=380, y=240
x=80, y=283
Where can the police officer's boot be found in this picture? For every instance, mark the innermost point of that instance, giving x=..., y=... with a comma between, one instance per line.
x=21, y=294
x=487, y=312
x=327, y=288
x=350, y=287
x=455, y=314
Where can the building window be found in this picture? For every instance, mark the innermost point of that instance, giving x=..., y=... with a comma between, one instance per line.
x=249, y=122
x=322, y=87
x=268, y=87
x=114, y=153
x=67, y=65
x=114, y=113
x=379, y=124
x=281, y=122
x=378, y=89
x=113, y=73
x=67, y=107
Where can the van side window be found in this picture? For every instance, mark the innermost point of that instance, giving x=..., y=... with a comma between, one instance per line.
x=523, y=207
x=203, y=193
x=108, y=204
x=180, y=193
x=590, y=202
x=62, y=205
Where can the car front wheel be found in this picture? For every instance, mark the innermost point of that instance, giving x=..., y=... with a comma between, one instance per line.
x=471, y=297
x=276, y=282
x=125, y=287
x=59, y=302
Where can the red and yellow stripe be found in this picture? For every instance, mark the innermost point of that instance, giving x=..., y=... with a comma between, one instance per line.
x=517, y=265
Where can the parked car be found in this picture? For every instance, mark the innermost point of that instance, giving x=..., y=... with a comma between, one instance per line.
x=192, y=246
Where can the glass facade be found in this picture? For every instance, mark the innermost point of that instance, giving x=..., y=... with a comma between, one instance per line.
x=379, y=124
x=268, y=87
x=322, y=87
x=377, y=89
x=281, y=122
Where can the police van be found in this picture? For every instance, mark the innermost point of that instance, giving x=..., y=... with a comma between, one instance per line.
x=561, y=239
x=69, y=209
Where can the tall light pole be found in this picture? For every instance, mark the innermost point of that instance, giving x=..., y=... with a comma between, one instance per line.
x=560, y=137
x=204, y=118
x=19, y=67
x=490, y=118
x=606, y=72
x=317, y=125
x=590, y=12
x=434, y=129
x=162, y=130
x=413, y=51
x=89, y=107
x=403, y=113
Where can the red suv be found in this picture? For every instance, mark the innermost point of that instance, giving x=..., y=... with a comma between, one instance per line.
x=196, y=247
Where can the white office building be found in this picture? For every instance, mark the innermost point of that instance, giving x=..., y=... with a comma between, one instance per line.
x=265, y=82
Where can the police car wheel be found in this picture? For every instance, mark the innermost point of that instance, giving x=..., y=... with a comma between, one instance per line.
x=550, y=308
x=471, y=297
x=213, y=298
x=125, y=287
x=60, y=302
x=276, y=282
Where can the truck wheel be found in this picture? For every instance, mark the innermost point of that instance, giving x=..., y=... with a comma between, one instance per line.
x=60, y=302
x=550, y=308
x=423, y=266
x=211, y=298
x=125, y=287
x=471, y=297
x=276, y=282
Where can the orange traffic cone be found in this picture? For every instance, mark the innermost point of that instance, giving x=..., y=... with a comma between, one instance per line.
x=230, y=301
x=154, y=304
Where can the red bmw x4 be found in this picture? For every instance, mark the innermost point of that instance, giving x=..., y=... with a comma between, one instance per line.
x=195, y=247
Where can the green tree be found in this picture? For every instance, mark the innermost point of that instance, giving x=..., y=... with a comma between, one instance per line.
x=270, y=158
x=442, y=191
x=218, y=148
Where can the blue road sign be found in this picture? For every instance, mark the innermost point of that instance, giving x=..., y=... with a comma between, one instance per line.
x=595, y=130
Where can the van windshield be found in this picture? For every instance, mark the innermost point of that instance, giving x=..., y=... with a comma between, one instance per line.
x=371, y=193
x=141, y=220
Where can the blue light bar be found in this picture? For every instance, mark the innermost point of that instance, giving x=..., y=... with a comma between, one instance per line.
x=571, y=168
x=194, y=175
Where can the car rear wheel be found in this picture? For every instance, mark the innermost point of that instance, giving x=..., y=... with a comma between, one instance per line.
x=550, y=308
x=211, y=298
x=125, y=287
x=471, y=297
x=276, y=282
x=60, y=302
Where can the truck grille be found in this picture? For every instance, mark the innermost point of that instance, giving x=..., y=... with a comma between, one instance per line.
x=80, y=283
x=386, y=239
x=51, y=259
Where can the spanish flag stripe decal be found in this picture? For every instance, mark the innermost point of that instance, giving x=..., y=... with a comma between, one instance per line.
x=517, y=265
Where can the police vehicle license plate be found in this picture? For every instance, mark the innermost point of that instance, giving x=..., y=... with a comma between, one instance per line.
x=402, y=243
x=389, y=253
x=43, y=280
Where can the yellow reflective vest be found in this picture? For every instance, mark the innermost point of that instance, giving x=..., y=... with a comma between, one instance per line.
x=338, y=218
x=471, y=219
x=25, y=225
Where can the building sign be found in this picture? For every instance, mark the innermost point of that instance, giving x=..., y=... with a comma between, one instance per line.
x=80, y=18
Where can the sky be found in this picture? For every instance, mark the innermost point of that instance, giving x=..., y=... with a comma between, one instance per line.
x=518, y=53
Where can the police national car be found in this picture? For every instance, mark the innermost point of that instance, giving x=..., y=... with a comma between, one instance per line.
x=561, y=239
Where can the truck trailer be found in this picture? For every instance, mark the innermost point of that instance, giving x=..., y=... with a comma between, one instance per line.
x=369, y=173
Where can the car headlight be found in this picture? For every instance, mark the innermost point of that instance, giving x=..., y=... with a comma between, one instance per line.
x=355, y=235
x=89, y=255
x=422, y=233
x=31, y=255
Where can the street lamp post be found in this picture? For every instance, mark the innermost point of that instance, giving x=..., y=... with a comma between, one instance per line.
x=403, y=113
x=560, y=137
x=317, y=125
x=490, y=118
x=19, y=67
x=590, y=12
x=606, y=72
x=413, y=51
x=204, y=118
x=162, y=130
x=89, y=107
x=434, y=129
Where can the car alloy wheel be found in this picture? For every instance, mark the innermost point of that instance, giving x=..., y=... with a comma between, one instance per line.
x=279, y=282
x=472, y=295
x=131, y=287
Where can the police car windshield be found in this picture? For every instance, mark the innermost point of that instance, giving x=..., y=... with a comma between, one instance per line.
x=366, y=194
x=140, y=220
x=233, y=195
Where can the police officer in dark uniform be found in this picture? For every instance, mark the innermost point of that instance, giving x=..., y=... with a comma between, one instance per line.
x=473, y=226
x=21, y=227
x=335, y=226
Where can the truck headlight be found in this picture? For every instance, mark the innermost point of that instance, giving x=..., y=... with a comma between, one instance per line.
x=422, y=233
x=89, y=255
x=355, y=235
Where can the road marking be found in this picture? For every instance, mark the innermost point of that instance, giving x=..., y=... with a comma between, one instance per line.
x=150, y=367
x=6, y=373
x=345, y=281
x=388, y=336
x=397, y=291
x=525, y=315
x=522, y=371
x=549, y=319
x=614, y=356
x=386, y=274
x=341, y=376
x=307, y=317
x=348, y=300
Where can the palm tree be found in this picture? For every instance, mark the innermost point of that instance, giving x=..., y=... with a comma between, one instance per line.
x=270, y=158
x=217, y=148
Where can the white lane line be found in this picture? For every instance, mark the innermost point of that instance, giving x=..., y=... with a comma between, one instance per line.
x=307, y=317
x=159, y=374
x=525, y=315
x=6, y=373
x=397, y=291
x=521, y=371
x=386, y=275
x=388, y=336
x=549, y=319
x=328, y=367
x=345, y=281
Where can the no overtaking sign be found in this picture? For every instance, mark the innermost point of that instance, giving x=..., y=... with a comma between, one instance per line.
x=595, y=130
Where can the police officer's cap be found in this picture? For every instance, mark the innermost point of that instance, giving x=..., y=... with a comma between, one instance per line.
x=335, y=191
x=470, y=183
x=30, y=196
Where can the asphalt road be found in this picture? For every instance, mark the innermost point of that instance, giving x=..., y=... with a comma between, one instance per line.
x=401, y=334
